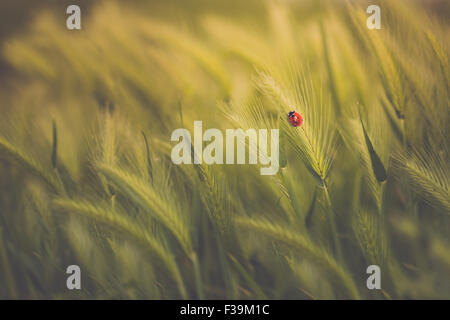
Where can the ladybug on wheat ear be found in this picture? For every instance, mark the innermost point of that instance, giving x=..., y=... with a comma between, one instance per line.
x=295, y=119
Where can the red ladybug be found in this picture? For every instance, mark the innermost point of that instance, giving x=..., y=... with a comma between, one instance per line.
x=295, y=119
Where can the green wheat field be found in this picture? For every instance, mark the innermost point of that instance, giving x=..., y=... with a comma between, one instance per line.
x=86, y=176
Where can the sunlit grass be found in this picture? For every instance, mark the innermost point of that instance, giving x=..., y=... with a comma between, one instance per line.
x=87, y=177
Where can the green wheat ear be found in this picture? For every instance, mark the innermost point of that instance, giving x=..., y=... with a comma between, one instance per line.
x=149, y=160
x=428, y=173
x=442, y=56
x=331, y=77
x=315, y=141
x=146, y=228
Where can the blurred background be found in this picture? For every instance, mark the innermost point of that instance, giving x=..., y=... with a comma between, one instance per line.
x=85, y=170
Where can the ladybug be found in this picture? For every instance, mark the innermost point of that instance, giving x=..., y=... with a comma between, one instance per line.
x=295, y=119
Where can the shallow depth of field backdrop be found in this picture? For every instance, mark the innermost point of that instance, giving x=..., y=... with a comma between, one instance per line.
x=86, y=176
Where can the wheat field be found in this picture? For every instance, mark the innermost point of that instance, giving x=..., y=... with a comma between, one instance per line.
x=86, y=176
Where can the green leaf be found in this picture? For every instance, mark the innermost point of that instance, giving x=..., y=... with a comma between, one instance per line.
x=283, y=158
x=377, y=165
x=149, y=160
